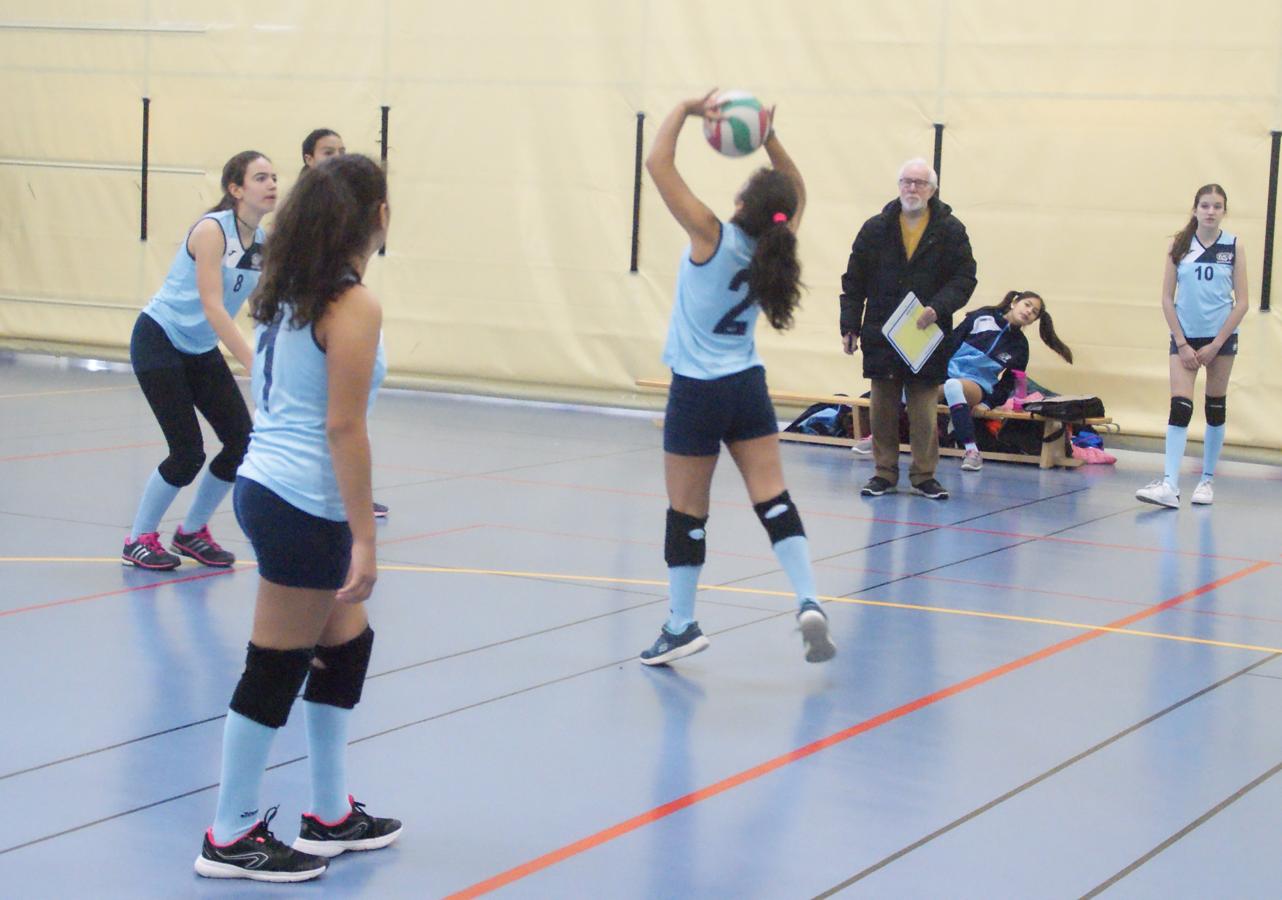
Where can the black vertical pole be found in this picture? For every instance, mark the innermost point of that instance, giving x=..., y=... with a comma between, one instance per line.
x=382, y=251
x=939, y=150
x=1271, y=213
x=636, y=194
x=146, y=133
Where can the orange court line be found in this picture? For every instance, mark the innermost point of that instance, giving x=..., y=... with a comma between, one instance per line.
x=53, y=453
x=659, y=812
x=128, y=590
x=847, y=517
x=57, y=393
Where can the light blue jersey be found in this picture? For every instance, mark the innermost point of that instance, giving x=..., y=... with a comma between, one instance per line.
x=1204, y=286
x=289, y=450
x=176, y=306
x=711, y=333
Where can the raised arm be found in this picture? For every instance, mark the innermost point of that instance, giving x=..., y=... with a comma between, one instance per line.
x=691, y=213
x=350, y=336
x=206, y=244
x=782, y=162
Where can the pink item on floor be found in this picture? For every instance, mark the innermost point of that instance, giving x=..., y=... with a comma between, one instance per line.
x=1093, y=456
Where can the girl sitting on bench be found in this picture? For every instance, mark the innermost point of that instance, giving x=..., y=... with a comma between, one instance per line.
x=986, y=349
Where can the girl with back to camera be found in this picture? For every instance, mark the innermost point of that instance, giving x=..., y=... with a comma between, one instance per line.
x=987, y=349
x=1204, y=297
x=731, y=272
x=175, y=355
x=305, y=482
x=319, y=145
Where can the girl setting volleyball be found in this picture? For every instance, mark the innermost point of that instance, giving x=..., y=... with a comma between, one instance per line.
x=732, y=272
x=987, y=349
x=1204, y=297
x=303, y=499
x=175, y=355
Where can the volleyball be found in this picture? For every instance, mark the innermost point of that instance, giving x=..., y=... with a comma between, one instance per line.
x=745, y=124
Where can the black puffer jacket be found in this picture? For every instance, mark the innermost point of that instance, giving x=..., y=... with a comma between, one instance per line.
x=941, y=274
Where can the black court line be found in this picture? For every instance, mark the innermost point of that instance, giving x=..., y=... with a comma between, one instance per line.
x=1050, y=773
x=1190, y=827
x=479, y=703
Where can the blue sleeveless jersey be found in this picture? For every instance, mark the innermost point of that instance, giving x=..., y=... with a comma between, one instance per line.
x=710, y=334
x=1204, y=286
x=288, y=450
x=176, y=306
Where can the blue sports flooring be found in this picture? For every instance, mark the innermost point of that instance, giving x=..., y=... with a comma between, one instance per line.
x=1043, y=688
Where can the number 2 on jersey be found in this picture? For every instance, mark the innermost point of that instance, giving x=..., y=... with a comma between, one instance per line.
x=730, y=323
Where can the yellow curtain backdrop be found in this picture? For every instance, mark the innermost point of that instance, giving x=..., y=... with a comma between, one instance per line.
x=1074, y=139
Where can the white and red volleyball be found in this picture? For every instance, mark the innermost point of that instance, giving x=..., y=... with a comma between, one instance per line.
x=743, y=126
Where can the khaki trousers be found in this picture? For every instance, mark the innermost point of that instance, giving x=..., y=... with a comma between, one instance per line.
x=922, y=431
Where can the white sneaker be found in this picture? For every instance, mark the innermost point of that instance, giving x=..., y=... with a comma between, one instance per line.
x=863, y=446
x=1159, y=493
x=1204, y=493
x=972, y=461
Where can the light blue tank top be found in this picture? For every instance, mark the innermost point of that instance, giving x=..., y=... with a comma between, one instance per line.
x=1204, y=286
x=711, y=333
x=176, y=306
x=288, y=450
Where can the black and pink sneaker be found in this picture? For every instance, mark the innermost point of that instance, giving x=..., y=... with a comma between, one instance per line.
x=258, y=856
x=357, y=830
x=148, y=553
x=201, y=546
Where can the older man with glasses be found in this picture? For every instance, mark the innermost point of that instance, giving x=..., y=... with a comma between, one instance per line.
x=914, y=244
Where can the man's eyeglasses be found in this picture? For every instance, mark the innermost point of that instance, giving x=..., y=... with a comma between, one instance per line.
x=919, y=184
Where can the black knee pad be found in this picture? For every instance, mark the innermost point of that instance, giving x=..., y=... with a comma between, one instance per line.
x=339, y=683
x=1181, y=412
x=270, y=683
x=228, y=460
x=684, y=540
x=181, y=467
x=1216, y=409
x=780, y=517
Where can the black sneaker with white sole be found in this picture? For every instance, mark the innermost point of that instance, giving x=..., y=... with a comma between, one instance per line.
x=147, y=553
x=380, y=511
x=357, y=830
x=201, y=546
x=813, y=622
x=876, y=486
x=931, y=489
x=668, y=646
x=258, y=856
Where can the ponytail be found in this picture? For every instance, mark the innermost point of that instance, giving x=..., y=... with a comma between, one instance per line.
x=1184, y=237
x=767, y=202
x=1045, y=325
x=234, y=173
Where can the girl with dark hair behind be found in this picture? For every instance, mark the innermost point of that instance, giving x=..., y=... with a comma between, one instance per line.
x=984, y=353
x=1204, y=297
x=174, y=351
x=319, y=145
x=731, y=271
x=305, y=483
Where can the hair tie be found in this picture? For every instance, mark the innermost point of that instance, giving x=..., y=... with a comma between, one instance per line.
x=780, y=217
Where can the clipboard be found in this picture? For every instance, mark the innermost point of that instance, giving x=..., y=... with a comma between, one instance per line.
x=914, y=345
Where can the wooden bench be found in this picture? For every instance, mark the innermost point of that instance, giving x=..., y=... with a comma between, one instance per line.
x=1053, y=451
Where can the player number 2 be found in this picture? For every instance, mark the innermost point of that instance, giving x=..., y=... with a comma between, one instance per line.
x=730, y=323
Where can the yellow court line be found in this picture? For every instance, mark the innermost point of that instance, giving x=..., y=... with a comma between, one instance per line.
x=1008, y=617
x=69, y=391
x=727, y=589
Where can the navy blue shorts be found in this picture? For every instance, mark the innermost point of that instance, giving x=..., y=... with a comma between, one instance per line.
x=701, y=414
x=1229, y=347
x=294, y=548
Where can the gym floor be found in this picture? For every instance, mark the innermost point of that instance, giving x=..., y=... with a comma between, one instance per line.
x=1043, y=688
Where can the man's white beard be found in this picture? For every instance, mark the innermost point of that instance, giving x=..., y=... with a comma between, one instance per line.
x=912, y=204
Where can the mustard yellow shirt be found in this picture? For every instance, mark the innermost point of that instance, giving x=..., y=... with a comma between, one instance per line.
x=912, y=232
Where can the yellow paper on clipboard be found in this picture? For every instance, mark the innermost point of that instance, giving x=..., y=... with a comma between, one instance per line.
x=913, y=344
